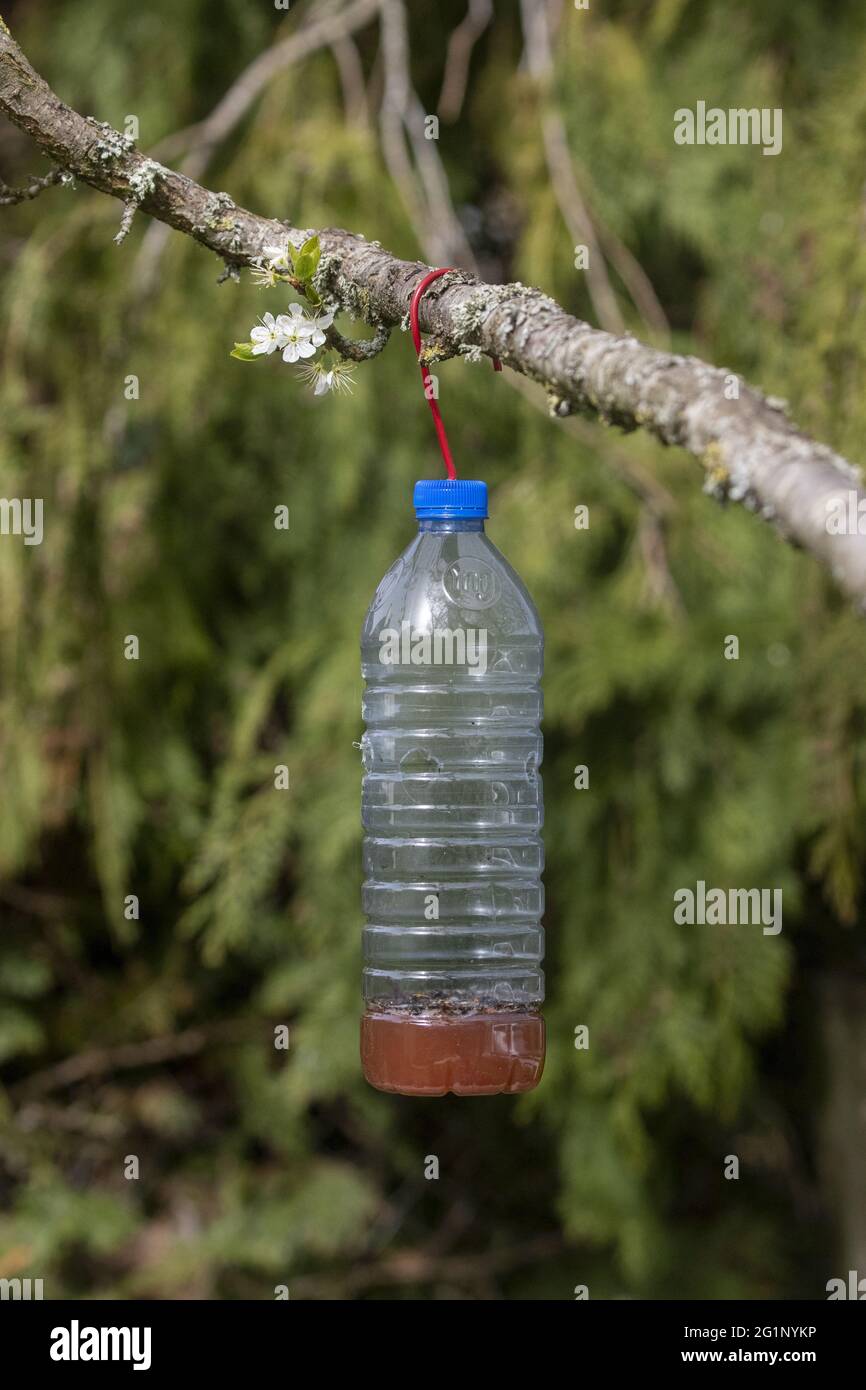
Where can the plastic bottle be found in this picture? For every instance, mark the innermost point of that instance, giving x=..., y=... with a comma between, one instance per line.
x=452, y=653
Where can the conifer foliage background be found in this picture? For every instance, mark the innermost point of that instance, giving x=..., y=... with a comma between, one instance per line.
x=155, y=1038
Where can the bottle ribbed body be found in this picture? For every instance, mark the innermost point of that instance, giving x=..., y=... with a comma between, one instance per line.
x=452, y=654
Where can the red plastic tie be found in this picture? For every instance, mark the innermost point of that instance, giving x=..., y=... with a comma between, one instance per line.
x=425, y=371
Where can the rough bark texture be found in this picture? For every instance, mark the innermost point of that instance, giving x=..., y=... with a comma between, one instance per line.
x=748, y=448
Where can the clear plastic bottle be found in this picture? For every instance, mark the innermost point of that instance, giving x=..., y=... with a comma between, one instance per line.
x=452, y=652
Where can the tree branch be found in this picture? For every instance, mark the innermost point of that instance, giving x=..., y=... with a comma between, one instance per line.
x=748, y=448
x=199, y=143
x=320, y=31
x=458, y=57
x=584, y=225
x=35, y=185
x=105, y=1061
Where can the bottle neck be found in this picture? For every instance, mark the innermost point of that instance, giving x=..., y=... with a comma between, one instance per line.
x=451, y=523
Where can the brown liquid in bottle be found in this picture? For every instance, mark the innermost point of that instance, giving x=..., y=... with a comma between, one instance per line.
x=480, y=1054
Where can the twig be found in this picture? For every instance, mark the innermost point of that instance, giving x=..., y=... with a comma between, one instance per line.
x=102, y=1061
x=463, y=40
x=429, y=206
x=656, y=502
x=351, y=71
x=319, y=32
x=36, y=184
x=578, y=220
x=585, y=227
x=539, y=62
x=129, y=209
x=359, y=349
x=637, y=282
x=748, y=448
x=204, y=138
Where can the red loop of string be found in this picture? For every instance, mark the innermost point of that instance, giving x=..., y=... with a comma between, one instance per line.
x=425, y=371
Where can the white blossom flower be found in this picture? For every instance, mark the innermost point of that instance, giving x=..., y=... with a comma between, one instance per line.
x=265, y=275
x=267, y=335
x=323, y=379
x=272, y=266
x=278, y=257
x=318, y=323
x=296, y=334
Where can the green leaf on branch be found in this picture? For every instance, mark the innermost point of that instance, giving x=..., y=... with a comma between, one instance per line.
x=306, y=261
x=244, y=352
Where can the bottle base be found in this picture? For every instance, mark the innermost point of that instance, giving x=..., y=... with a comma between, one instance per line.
x=484, y=1054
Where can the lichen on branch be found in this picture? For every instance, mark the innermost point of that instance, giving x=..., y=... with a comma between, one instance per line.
x=749, y=450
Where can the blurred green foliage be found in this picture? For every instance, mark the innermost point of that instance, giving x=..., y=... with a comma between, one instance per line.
x=155, y=777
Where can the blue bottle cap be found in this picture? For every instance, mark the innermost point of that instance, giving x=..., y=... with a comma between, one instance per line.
x=440, y=499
